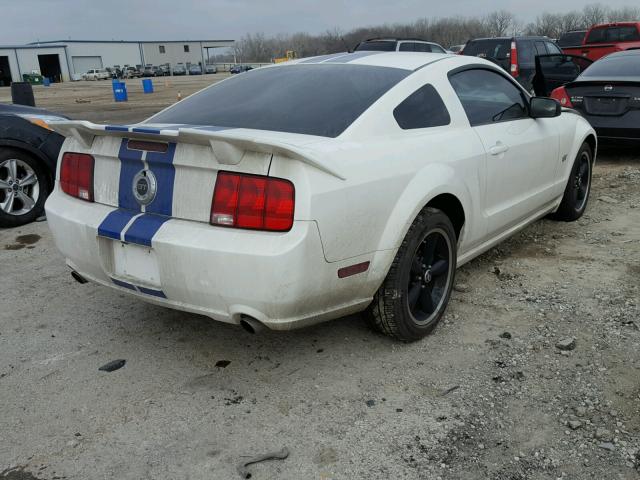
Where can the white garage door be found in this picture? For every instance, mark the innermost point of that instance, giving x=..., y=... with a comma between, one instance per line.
x=84, y=64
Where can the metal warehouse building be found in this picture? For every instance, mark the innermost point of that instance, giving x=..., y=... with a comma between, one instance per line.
x=63, y=59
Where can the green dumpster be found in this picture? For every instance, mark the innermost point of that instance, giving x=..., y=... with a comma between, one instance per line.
x=32, y=78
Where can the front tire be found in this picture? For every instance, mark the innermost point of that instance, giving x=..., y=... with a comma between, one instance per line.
x=415, y=293
x=576, y=193
x=24, y=187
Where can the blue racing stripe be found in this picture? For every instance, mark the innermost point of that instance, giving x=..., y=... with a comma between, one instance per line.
x=117, y=128
x=130, y=165
x=114, y=223
x=150, y=291
x=120, y=283
x=161, y=164
x=144, y=228
x=353, y=56
x=155, y=131
x=322, y=58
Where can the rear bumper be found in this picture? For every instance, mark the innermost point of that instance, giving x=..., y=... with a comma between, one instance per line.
x=624, y=127
x=282, y=280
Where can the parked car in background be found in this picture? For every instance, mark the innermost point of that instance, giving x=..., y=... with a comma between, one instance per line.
x=28, y=156
x=195, y=69
x=131, y=72
x=163, y=70
x=286, y=212
x=607, y=94
x=179, y=69
x=398, y=45
x=240, y=68
x=516, y=55
x=96, y=74
x=607, y=38
x=150, y=71
x=572, y=38
x=210, y=69
x=456, y=49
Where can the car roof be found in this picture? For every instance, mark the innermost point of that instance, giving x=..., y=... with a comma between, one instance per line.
x=404, y=60
x=624, y=53
x=11, y=108
x=517, y=37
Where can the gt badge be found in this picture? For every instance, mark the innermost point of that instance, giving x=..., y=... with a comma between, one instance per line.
x=145, y=186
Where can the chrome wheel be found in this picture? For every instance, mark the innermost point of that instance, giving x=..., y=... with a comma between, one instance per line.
x=19, y=187
x=430, y=276
x=582, y=180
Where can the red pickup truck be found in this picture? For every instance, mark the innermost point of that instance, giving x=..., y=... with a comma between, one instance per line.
x=607, y=38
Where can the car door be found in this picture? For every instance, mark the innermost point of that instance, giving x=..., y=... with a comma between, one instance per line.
x=556, y=70
x=522, y=152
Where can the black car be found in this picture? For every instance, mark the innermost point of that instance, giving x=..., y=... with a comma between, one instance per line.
x=606, y=93
x=28, y=155
x=517, y=55
x=240, y=68
x=574, y=38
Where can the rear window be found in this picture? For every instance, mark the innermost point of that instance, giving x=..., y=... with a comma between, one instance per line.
x=500, y=49
x=378, y=46
x=319, y=99
x=571, y=39
x=613, y=34
x=617, y=66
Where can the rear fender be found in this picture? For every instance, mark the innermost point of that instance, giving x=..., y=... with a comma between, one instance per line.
x=430, y=182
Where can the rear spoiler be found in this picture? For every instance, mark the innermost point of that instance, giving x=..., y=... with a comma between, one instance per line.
x=228, y=147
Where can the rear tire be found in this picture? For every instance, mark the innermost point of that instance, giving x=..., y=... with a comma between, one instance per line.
x=576, y=193
x=415, y=293
x=24, y=186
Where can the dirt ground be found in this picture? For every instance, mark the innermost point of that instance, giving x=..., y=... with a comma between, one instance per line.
x=533, y=374
x=93, y=101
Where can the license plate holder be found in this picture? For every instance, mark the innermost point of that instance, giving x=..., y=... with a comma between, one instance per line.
x=135, y=263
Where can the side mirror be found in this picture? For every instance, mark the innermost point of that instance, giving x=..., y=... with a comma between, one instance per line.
x=543, y=107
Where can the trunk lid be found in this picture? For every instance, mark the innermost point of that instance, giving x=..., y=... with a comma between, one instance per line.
x=604, y=98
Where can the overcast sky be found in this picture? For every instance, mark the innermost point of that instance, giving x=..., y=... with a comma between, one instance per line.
x=30, y=20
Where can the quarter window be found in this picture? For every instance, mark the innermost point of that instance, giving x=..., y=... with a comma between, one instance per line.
x=488, y=97
x=423, y=108
x=553, y=48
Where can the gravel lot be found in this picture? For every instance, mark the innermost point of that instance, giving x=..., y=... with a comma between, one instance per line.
x=533, y=374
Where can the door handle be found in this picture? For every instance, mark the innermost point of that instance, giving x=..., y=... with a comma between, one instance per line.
x=498, y=148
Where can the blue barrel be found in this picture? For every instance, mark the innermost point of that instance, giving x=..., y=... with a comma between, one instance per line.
x=120, y=91
x=147, y=85
x=46, y=82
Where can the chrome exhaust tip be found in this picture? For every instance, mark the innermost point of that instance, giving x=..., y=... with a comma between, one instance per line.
x=251, y=325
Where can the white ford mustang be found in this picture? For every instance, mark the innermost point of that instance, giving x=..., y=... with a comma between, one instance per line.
x=321, y=187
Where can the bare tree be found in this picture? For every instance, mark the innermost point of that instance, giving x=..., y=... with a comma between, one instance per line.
x=500, y=23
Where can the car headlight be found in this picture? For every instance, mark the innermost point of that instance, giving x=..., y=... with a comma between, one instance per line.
x=41, y=120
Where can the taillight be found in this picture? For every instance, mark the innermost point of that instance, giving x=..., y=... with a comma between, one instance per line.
x=253, y=201
x=515, y=70
x=562, y=96
x=76, y=175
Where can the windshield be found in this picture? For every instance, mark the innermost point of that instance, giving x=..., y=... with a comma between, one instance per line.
x=500, y=49
x=322, y=99
x=613, y=34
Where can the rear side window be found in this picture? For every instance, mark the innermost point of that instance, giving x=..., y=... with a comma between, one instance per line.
x=422, y=109
x=540, y=48
x=499, y=49
x=322, y=99
x=613, y=34
x=488, y=97
x=552, y=48
x=526, y=54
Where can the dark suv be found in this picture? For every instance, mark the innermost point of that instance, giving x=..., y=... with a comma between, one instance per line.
x=517, y=55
